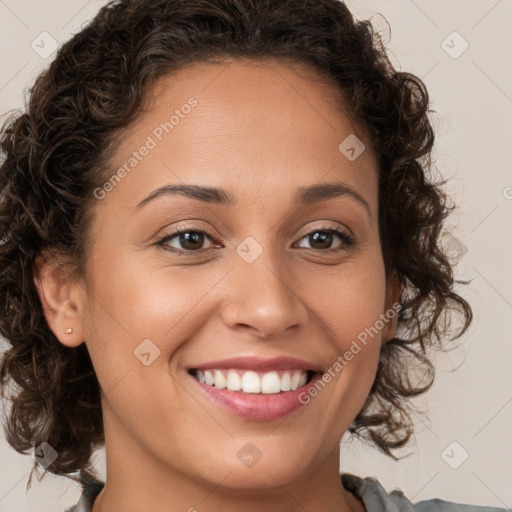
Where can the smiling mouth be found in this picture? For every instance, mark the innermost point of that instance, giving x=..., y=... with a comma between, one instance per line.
x=254, y=382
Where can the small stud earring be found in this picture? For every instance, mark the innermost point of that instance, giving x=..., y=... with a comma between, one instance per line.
x=69, y=330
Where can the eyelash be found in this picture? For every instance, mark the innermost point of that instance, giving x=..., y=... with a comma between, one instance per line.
x=347, y=240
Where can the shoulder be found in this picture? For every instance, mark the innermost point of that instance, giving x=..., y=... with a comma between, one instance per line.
x=377, y=499
x=440, y=505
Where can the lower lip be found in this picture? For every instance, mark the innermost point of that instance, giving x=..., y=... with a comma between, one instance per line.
x=257, y=406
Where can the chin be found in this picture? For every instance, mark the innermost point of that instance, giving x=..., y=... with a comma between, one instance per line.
x=252, y=468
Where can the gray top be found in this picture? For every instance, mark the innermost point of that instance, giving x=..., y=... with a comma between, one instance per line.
x=371, y=492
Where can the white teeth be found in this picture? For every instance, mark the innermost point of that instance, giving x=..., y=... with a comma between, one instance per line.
x=208, y=377
x=219, y=380
x=252, y=382
x=286, y=382
x=270, y=383
x=295, y=381
x=234, y=382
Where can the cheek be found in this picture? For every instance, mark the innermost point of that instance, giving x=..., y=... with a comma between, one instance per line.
x=349, y=302
x=350, y=299
x=132, y=301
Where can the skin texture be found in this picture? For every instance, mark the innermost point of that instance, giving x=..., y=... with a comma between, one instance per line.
x=259, y=131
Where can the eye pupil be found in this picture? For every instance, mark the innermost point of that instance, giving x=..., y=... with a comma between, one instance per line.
x=191, y=237
x=322, y=236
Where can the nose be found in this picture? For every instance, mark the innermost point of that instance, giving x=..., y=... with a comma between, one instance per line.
x=263, y=296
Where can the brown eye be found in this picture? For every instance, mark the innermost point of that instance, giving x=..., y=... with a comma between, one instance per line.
x=322, y=239
x=191, y=240
x=185, y=240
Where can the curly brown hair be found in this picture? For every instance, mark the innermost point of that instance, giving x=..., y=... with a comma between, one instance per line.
x=55, y=155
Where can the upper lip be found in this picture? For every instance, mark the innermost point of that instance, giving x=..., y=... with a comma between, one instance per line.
x=262, y=365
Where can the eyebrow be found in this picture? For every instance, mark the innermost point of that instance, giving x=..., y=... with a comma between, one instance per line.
x=304, y=195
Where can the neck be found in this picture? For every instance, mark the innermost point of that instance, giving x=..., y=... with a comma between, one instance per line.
x=141, y=486
x=137, y=479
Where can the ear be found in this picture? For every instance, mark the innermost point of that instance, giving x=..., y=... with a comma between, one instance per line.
x=61, y=298
x=393, y=294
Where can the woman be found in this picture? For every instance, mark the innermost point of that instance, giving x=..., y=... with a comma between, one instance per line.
x=221, y=252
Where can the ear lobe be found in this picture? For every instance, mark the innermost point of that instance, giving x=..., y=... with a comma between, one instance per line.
x=393, y=294
x=61, y=300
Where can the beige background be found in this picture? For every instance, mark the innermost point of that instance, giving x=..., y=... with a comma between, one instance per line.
x=472, y=95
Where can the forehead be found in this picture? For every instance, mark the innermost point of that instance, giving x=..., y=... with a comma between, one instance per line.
x=244, y=126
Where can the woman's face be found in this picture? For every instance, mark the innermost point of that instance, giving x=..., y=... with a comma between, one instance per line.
x=268, y=280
